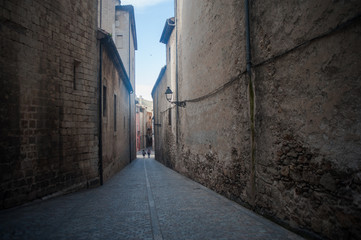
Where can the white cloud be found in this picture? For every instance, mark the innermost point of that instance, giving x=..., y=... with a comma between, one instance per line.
x=142, y=3
x=144, y=90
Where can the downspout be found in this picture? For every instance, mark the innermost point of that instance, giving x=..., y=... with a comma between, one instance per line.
x=130, y=100
x=176, y=68
x=251, y=100
x=130, y=127
x=100, y=14
x=248, y=41
x=100, y=114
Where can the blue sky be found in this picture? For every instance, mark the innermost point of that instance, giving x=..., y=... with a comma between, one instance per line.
x=150, y=17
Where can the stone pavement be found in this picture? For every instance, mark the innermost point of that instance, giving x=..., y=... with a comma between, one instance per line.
x=144, y=201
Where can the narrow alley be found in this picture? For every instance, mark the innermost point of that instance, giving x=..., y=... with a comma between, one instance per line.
x=258, y=101
x=144, y=201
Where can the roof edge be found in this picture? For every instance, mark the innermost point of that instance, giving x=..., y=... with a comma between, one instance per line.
x=160, y=76
x=106, y=39
x=167, y=30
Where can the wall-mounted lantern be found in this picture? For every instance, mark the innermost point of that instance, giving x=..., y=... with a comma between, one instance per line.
x=169, y=95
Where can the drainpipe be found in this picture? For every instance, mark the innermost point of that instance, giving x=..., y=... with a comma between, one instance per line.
x=100, y=14
x=130, y=129
x=176, y=68
x=251, y=101
x=130, y=100
x=248, y=41
x=100, y=114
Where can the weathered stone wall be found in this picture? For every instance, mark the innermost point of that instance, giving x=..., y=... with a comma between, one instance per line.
x=115, y=136
x=48, y=64
x=165, y=113
x=107, y=15
x=123, y=38
x=163, y=130
x=285, y=142
x=307, y=120
x=116, y=20
x=214, y=131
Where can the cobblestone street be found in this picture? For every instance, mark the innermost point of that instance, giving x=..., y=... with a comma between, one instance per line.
x=144, y=201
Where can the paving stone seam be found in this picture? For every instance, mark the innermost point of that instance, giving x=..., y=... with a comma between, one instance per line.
x=257, y=217
x=157, y=233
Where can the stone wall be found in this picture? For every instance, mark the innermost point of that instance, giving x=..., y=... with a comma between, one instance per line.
x=117, y=20
x=307, y=122
x=49, y=133
x=126, y=42
x=164, y=122
x=165, y=114
x=115, y=136
x=107, y=15
x=286, y=141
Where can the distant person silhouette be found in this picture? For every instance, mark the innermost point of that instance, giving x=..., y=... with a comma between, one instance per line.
x=148, y=151
x=143, y=152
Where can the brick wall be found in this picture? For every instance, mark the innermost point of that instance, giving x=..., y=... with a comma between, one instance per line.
x=48, y=92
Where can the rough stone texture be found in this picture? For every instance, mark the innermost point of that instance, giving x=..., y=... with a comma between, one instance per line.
x=214, y=132
x=49, y=139
x=163, y=124
x=165, y=115
x=308, y=117
x=285, y=142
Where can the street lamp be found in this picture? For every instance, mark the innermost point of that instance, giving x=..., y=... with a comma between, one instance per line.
x=169, y=94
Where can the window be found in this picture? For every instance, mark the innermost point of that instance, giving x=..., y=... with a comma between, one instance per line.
x=170, y=117
x=115, y=113
x=169, y=54
x=76, y=73
x=104, y=101
x=119, y=41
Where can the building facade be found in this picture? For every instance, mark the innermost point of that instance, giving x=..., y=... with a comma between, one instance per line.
x=115, y=115
x=271, y=117
x=165, y=115
x=144, y=123
x=119, y=21
x=49, y=99
x=66, y=101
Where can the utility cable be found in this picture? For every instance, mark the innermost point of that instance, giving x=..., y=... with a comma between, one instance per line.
x=305, y=43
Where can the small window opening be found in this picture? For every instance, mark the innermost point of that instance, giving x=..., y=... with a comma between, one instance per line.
x=76, y=73
x=119, y=41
